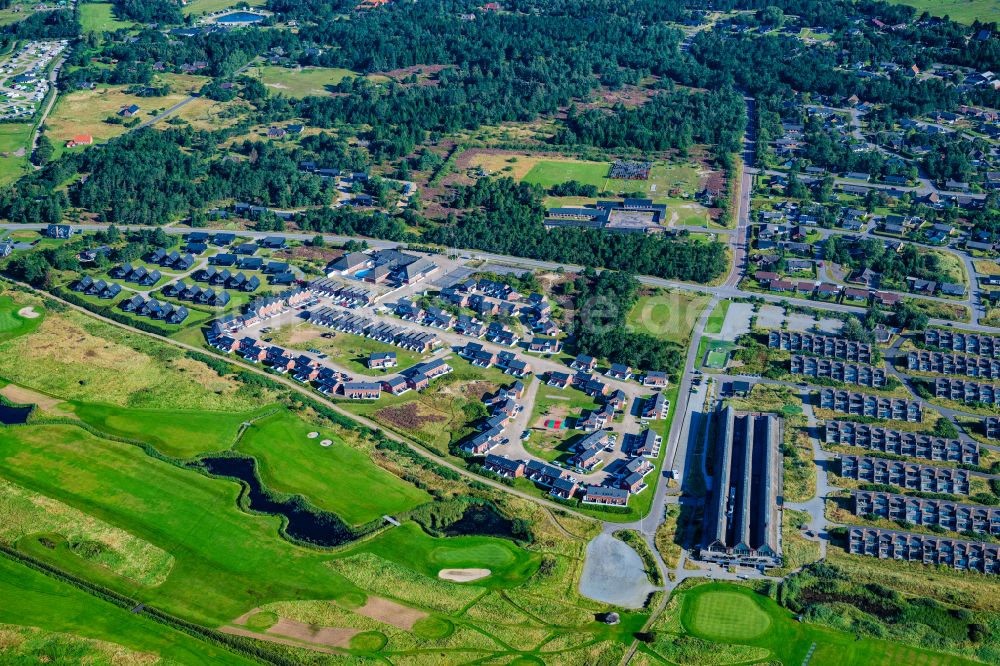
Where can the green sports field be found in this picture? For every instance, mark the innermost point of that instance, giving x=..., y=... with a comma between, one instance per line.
x=717, y=318
x=662, y=179
x=669, y=315
x=733, y=615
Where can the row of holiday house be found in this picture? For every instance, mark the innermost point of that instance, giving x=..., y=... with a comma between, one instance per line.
x=848, y=373
x=154, y=309
x=821, y=345
x=939, y=513
x=956, y=554
x=328, y=380
x=99, y=288
x=953, y=364
x=625, y=481
x=346, y=322
x=872, y=406
x=908, y=475
x=901, y=443
x=964, y=391
x=777, y=284
x=968, y=343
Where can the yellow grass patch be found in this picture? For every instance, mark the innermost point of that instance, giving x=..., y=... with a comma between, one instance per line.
x=390, y=612
x=984, y=267
x=14, y=640
x=24, y=512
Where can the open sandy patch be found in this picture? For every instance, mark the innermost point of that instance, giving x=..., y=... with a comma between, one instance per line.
x=302, y=334
x=390, y=612
x=463, y=575
x=22, y=396
x=331, y=636
x=29, y=312
x=241, y=631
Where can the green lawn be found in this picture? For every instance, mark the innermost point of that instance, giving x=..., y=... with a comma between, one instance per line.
x=663, y=179
x=552, y=404
x=670, y=315
x=338, y=478
x=717, y=318
x=732, y=614
x=36, y=600
x=99, y=17
x=963, y=11
x=552, y=172
x=12, y=324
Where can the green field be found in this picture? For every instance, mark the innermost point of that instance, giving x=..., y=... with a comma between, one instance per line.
x=717, y=318
x=338, y=478
x=99, y=17
x=731, y=614
x=345, y=349
x=716, y=359
x=670, y=315
x=662, y=179
x=301, y=82
x=198, y=7
x=35, y=600
x=14, y=139
x=12, y=324
x=963, y=11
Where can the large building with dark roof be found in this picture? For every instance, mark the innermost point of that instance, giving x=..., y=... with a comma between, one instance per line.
x=742, y=519
x=960, y=390
x=628, y=216
x=872, y=406
x=953, y=364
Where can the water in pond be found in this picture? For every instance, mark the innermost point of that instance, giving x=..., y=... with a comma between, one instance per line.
x=481, y=520
x=614, y=573
x=13, y=415
x=241, y=17
x=305, y=524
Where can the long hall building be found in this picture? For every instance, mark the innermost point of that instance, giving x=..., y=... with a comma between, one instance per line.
x=742, y=520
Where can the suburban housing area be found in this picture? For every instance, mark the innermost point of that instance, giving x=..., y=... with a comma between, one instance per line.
x=604, y=334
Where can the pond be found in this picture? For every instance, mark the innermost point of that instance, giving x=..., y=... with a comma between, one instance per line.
x=614, y=573
x=14, y=415
x=481, y=520
x=304, y=523
x=241, y=17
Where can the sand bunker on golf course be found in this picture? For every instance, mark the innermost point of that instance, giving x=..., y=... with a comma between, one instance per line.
x=29, y=313
x=463, y=575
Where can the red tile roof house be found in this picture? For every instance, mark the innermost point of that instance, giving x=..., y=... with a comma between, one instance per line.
x=505, y=467
x=80, y=140
x=605, y=495
x=362, y=391
x=396, y=385
x=781, y=285
x=655, y=379
x=382, y=360
x=887, y=299
x=853, y=294
x=559, y=379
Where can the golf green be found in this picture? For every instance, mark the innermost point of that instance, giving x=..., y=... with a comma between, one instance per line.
x=727, y=616
x=11, y=323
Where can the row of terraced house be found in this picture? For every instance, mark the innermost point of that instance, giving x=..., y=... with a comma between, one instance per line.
x=969, y=343
x=963, y=391
x=952, y=553
x=953, y=364
x=908, y=475
x=260, y=310
x=901, y=443
x=346, y=322
x=872, y=406
x=848, y=373
x=945, y=514
x=821, y=345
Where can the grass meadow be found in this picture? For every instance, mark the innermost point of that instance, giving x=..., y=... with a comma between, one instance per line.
x=962, y=11
x=669, y=315
x=34, y=600
x=99, y=17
